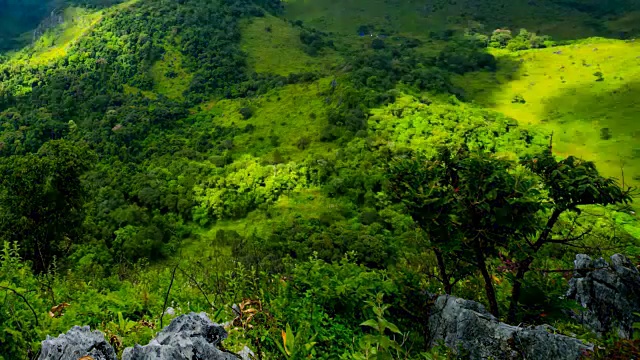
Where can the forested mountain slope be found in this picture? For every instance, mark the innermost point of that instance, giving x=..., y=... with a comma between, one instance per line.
x=563, y=19
x=22, y=21
x=196, y=154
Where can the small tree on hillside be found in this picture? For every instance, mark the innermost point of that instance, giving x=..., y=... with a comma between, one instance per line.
x=470, y=205
x=500, y=38
x=569, y=184
x=416, y=182
x=42, y=200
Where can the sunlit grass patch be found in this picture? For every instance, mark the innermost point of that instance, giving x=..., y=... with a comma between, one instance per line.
x=288, y=120
x=273, y=46
x=586, y=93
x=55, y=43
x=169, y=77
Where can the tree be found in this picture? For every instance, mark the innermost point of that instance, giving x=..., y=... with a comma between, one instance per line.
x=500, y=38
x=470, y=205
x=415, y=182
x=473, y=205
x=569, y=183
x=42, y=200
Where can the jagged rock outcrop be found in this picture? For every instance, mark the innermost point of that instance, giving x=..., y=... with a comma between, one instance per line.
x=75, y=344
x=466, y=326
x=608, y=293
x=54, y=19
x=188, y=337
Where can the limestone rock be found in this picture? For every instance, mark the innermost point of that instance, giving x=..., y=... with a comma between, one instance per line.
x=467, y=327
x=246, y=354
x=76, y=343
x=608, y=293
x=188, y=337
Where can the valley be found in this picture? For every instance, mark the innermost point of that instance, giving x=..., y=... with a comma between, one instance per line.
x=325, y=163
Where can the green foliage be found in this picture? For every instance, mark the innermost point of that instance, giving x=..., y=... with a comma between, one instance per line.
x=379, y=345
x=293, y=347
x=518, y=99
x=246, y=186
x=22, y=309
x=314, y=41
x=572, y=182
x=599, y=76
x=469, y=206
x=43, y=200
x=503, y=38
x=465, y=56
x=152, y=146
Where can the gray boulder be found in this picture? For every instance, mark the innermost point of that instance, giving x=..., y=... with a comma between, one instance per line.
x=76, y=343
x=468, y=328
x=609, y=294
x=189, y=337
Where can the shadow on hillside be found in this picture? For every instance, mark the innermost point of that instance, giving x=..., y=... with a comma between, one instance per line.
x=561, y=19
x=600, y=125
x=481, y=87
x=21, y=19
x=14, y=38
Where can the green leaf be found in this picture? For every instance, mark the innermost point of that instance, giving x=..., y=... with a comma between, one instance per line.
x=290, y=340
x=390, y=326
x=282, y=350
x=217, y=314
x=370, y=323
x=121, y=321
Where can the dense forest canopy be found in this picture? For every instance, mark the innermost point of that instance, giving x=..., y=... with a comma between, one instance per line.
x=204, y=153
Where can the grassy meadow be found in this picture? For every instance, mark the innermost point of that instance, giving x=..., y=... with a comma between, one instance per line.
x=273, y=46
x=585, y=93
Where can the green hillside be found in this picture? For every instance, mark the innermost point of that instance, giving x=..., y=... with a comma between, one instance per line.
x=593, y=119
x=561, y=19
x=317, y=162
x=19, y=18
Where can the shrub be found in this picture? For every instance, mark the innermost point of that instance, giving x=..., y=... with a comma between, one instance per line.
x=246, y=112
x=377, y=44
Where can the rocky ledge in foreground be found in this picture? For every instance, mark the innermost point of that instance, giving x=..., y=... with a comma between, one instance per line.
x=188, y=337
x=463, y=325
x=77, y=343
x=467, y=326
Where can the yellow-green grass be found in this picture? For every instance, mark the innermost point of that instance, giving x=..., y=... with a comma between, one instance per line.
x=171, y=87
x=273, y=46
x=419, y=17
x=286, y=113
x=562, y=96
x=55, y=43
x=129, y=90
